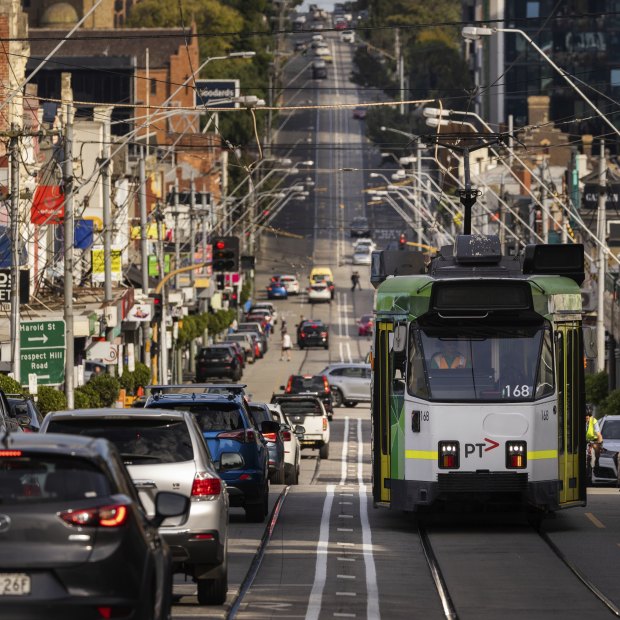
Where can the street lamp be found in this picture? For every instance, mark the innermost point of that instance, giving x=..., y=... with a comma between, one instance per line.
x=473, y=33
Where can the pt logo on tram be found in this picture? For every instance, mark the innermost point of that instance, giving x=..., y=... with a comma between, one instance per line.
x=472, y=448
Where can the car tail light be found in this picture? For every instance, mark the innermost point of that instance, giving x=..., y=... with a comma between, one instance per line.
x=114, y=515
x=289, y=386
x=448, y=454
x=10, y=453
x=323, y=334
x=324, y=424
x=114, y=612
x=270, y=436
x=326, y=387
x=286, y=435
x=243, y=436
x=205, y=485
x=516, y=454
x=303, y=335
x=203, y=537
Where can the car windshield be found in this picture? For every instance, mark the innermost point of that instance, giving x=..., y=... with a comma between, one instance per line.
x=138, y=441
x=300, y=407
x=215, y=416
x=611, y=429
x=214, y=353
x=36, y=479
x=481, y=364
x=307, y=384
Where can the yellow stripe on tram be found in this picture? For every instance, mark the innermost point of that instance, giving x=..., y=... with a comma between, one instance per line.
x=425, y=455
x=542, y=454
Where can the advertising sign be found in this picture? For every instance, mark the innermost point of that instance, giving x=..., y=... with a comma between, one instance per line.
x=48, y=205
x=98, y=265
x=140, y=313
x=216, y=93
x=5, y=286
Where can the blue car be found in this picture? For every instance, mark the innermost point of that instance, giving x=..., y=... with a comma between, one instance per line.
x=227, y=427
x=276, y=290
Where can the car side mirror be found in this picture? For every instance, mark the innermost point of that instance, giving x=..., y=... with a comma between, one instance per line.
x=169, y=505
x=299, y=429
x=230, y=460
x=268, y=426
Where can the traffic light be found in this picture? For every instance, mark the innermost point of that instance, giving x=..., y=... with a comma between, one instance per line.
x=233, y=298
x=226, y=254
x=402, y=241
x=158, y=302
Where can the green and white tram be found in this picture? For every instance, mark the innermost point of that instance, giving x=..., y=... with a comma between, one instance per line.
x=478, y=378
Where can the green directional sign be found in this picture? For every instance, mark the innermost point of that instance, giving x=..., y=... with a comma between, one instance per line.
x=42, y=345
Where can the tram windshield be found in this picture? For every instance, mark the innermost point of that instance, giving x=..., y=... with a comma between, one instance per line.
x=480, y=364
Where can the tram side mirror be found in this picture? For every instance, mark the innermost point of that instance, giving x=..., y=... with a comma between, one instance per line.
x=589, y=343
x=400, y=338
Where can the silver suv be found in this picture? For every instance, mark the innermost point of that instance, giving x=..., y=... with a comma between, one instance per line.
x=164, y=451
x=350, y=383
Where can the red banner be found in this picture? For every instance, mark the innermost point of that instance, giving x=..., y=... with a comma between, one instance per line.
x=48, y=205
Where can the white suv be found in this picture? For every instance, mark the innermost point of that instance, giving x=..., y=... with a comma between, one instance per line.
x=347, y=36
x=350, y=383
x=308, y=411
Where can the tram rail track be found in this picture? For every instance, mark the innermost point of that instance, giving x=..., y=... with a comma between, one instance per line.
x=449, y=608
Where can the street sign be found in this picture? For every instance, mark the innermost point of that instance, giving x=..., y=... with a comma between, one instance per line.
x=42, y=345
x=216, y=93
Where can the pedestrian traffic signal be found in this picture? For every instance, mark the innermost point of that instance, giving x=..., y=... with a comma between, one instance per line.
x=402, y=241
x=233, y=298
x=158, y=303
x=226, y=254
x=219, y=279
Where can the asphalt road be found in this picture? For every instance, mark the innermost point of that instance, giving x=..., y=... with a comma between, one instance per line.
x=332, y=555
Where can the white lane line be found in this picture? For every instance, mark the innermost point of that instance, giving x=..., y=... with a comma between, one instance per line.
x=372, y=600
x=343, y=615
x=340, y=559
x=346, y=593
x=348, y=347
x=340, y=351
x=345, y=576
x=345, y=529
x=343, y=315
x=320, y=573
x=343, y=544
x=345, y=446
x=345, y=516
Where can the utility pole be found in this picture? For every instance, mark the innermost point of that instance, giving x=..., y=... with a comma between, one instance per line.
x=68, y=234
x=15, y=245
x=162, y=341
x=192, y=232
x=177, y=244
x=143, y=243
x=418, y=190
x=107, y=212
x=602, y=257
x=400, y=68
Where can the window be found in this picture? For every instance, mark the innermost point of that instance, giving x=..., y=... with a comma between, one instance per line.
x=532, y=10
x=354, y=373
x=139, y=442
x=153, y=86
x=615, y=77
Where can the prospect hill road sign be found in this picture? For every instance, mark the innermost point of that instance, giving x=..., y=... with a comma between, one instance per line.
x=42, y=345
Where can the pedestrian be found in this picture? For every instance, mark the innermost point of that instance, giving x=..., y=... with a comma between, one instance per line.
x=268, y=327
x=287, y=343
x=283, y=327
x=355, y=281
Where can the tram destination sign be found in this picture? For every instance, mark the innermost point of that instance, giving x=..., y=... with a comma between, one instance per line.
x=42, y=345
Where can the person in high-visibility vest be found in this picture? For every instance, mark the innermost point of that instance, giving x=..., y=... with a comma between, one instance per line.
x=593, y=434
x=450, y=357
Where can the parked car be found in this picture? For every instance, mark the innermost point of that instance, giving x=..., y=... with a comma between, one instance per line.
x=311, y=384
x=350, y=383
x=362, y=255
x=255, y=326
x=267, y=305
x=246, y=342
x=259, y=412
x=360, y=227
x=25, y=411
x=277, y=290
x=607, y=471
x=226, y=425
x=292, y=448
x=261, y=316
x=347, y=36
x=318, y=292
x=307, y=411
x=76, y=540
x=165, y=451
x=218, y=360
x=291, y=284
x=239, y=351
x=365, y=325
x=313, y=334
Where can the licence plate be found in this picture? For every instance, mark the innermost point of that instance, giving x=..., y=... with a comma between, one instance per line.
x=14, y=584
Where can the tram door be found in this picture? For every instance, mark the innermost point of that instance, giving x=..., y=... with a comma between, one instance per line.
x=382, y=387
x=570, y=407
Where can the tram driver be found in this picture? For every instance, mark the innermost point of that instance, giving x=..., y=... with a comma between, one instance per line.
x=449, y=357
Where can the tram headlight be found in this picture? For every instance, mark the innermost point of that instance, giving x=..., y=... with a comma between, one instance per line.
x=516, y=454
x=448, y=453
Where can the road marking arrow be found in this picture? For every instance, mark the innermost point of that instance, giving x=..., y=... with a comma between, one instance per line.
x=493, y=445
x=42, y=339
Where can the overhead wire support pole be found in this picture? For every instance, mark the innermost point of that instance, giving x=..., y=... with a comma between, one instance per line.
x=68, y=234
x=602, y=258
x=143, y=223
x=15, y=246
x=192, y=232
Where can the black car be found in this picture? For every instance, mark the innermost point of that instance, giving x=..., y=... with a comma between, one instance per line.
x=25, y=411
x=313, y=334
x=218, y=360
x=9, y=421
x=227, y=427
x=311, y=384
x=275, y=442
x=360, y=227
x=75, y=541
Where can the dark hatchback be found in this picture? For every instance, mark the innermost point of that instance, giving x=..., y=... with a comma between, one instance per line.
x=275, y=441
x=311, y=384
x=227, y=427
x=75, y=542
x=313, y=334
x=25, y=411
x=218, y=360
